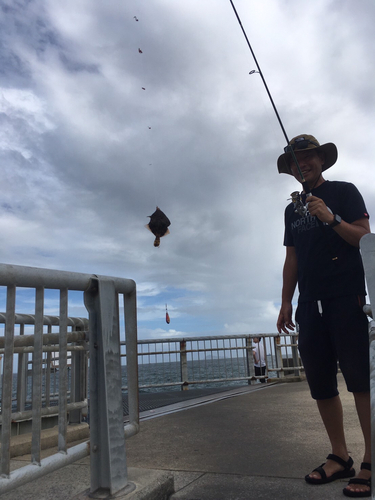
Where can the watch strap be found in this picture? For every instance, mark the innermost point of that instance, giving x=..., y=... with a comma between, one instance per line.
x=336, y=221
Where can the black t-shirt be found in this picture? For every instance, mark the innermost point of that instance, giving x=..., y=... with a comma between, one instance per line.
x=328, y=266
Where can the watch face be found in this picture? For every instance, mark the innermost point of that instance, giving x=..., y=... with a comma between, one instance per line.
x=336, y=221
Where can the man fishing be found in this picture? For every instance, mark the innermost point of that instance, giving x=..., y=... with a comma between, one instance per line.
x=322, y=256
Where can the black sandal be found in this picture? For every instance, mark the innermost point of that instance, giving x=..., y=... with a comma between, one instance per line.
x=341, y=474
x=358, y=480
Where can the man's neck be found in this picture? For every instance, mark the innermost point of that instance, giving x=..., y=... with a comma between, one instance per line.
x=317, y=183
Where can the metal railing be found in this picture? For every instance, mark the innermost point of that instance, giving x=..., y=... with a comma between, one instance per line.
x=367, y=245
x=23, y=350
x=211, y=361
x=107, y=432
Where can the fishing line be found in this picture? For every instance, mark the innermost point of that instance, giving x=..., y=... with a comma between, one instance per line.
x=145, y=88
x=154, y=179
x=288, y=149
x=302, y=210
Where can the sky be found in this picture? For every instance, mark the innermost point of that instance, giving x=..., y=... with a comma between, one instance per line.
x=109, y=109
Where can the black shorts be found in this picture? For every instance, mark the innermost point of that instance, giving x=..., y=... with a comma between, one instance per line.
x=338, y=332
x=260, y=371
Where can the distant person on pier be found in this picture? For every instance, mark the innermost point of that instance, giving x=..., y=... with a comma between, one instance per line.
x=322, y=256
x=259, y=359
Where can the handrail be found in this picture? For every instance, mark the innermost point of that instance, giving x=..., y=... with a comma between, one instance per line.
x=35, y=277
x=107, y=430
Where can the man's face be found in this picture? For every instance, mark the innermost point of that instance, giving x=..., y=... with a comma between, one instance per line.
x=310, y=163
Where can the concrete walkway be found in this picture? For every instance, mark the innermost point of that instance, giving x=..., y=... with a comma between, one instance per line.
x=259, y=444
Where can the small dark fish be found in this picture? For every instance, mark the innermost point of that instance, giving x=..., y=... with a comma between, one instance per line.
x=135, y=17
x=140, y=51
x=143, y=88
x=158, y=225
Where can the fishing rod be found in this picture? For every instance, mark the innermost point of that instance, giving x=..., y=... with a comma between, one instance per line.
x=288, y=149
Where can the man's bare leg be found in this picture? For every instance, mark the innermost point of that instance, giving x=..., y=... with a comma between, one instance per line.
x=363, y=405
x=332, y=415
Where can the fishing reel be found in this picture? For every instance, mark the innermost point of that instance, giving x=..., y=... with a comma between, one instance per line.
x=299, y=207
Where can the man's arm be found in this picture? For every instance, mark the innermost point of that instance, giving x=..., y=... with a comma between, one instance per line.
x=284, y=321
x=351, y=233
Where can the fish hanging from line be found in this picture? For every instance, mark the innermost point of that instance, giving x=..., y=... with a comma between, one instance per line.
x=167, y=318
x=158, y=225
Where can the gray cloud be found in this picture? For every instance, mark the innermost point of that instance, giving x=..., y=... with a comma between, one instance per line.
x=95, y=134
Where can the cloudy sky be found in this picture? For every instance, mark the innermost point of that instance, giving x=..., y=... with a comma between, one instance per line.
x=95, y=134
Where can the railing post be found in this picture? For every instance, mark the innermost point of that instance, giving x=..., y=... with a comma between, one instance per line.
x=77, y=383
x=367, y=246
x=107, y=438
x=295, y=355
x=183, y=366
x=250, y=361
x=21, y=377
x=6, y=395
x=131, y=337
x=372, y=391
x=279, y=358
x=36, y=424
x=48, y=372
x=63, y=369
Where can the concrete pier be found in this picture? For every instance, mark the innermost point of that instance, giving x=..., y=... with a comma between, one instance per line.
x=254, y=443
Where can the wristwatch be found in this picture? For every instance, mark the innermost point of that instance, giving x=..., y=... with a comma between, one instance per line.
x=336, y=221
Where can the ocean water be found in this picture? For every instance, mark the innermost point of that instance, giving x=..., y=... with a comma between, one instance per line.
x=200, y=372
x=54, y=389
x=166, y=376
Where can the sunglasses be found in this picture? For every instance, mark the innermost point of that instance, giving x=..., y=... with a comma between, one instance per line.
x=300, y=143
